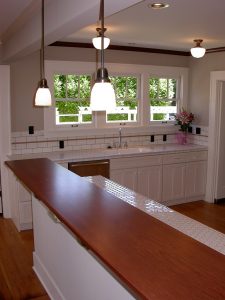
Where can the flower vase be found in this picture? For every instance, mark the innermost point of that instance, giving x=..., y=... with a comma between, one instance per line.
x=181, y=137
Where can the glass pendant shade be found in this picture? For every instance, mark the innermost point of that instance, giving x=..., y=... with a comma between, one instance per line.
x=103, y=97
x=43, y=95
x=97, y=42
x=198, y=51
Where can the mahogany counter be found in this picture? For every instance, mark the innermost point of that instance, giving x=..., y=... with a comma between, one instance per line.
x=154, y=260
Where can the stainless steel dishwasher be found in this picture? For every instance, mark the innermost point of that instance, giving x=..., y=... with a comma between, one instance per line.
x=90, y=168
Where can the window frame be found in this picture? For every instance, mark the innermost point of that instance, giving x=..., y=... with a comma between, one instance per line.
x=177, y=99
x=99, y=124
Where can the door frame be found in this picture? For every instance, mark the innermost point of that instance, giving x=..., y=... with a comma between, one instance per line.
x=216, y=79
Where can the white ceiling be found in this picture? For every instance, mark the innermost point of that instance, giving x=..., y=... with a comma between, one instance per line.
x=173, y=28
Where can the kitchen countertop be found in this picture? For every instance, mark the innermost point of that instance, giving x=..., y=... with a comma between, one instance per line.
x=153, y=259
x=60, y=156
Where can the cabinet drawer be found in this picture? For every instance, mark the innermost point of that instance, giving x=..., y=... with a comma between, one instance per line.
x=184, y=157
x=135, y=162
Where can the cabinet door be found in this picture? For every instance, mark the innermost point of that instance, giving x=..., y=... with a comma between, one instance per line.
x=195, y=182
x=173, y=182
x=150, y=182
x=125, y=177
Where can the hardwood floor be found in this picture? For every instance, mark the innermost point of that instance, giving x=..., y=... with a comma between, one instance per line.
x=212, y=215
x=19, y=282
x=17, y=279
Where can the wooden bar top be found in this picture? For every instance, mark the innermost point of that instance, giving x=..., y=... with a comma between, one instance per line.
x=154, y=260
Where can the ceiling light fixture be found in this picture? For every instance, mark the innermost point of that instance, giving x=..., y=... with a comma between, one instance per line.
x=158, y=5
x=198, y=51
x=97, y=40
x=102, y=94
x=43, y=95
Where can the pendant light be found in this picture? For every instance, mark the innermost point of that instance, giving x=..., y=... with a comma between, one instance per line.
x=198, y=51
x=97, y=40
x=43, y=95
x=102, y=94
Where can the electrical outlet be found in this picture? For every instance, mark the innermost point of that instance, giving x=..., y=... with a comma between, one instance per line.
x=61, y=144
x=198, y=130
x=164, y=138
x=31, y=129
x=152, y=138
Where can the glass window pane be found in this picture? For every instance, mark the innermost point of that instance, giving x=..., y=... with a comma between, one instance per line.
x=172, y=88
x=72, y=86
x=59, y=86
x=131, y=87
x=162, y=92
x=85, y=87
x=126, y=99
x=153, y=88
x=71, y=112
x=163, y=110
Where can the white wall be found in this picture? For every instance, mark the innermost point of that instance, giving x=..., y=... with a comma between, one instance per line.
x=199, y=83
x=25, y=74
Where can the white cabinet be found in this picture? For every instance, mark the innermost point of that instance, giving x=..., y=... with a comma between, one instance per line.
x=20, y=202
x=168, y=178
x=125, y=177
x=184, y=177
x=173, y=182
x=196, y=179
x=150, y=182
x=141, y=174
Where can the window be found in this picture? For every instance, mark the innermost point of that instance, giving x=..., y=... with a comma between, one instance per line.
x=126, y=100
x=163, y=98
x=72, y=99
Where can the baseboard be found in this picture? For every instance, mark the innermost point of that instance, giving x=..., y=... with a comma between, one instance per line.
x=219, y=201
x=46, y=279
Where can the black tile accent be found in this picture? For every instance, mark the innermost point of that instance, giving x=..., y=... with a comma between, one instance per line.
x=190, y=129
x=31, y=129
x=164, y=138
x=198, y=130
x=152, y=138
x=61, y=144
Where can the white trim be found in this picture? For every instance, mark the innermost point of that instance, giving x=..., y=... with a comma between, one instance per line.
x=213, y=140
x=142, y=71
x=5, y=134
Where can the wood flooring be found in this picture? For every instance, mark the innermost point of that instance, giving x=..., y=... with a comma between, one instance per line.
x=19, y=282
x=17, y=279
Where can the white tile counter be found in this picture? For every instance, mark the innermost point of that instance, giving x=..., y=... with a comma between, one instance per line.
x=198, y=231
x=67, y=156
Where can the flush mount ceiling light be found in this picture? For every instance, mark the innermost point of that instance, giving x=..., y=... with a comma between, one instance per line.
x=97, y=40
x=43, y=95
x=198, y=51
x=102, y=94
x=158, y=5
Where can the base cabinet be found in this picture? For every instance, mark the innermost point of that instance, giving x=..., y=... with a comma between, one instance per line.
x=173, y=182
x=20, y=202
x=67, y=270
x=196, y=179
x=150, y=182
x=125, y=177
x=168, y=178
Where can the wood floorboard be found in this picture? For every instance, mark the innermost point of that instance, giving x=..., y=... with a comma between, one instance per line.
x=212, y=215
x=19, y=282
x=17, y=278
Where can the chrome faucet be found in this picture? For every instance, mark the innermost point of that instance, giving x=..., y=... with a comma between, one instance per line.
x=120, y=138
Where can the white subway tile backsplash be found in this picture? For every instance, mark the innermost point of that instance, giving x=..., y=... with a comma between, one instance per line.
x=22, y=142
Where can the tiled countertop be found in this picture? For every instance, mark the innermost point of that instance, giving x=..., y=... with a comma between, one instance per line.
x=61, y=156
x=198, y=231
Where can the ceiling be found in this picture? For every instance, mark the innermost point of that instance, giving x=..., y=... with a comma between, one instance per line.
x=173, y=28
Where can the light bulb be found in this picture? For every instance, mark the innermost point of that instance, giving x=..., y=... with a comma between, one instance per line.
x=102, y=97
x=43, y=97
x=98, y=44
